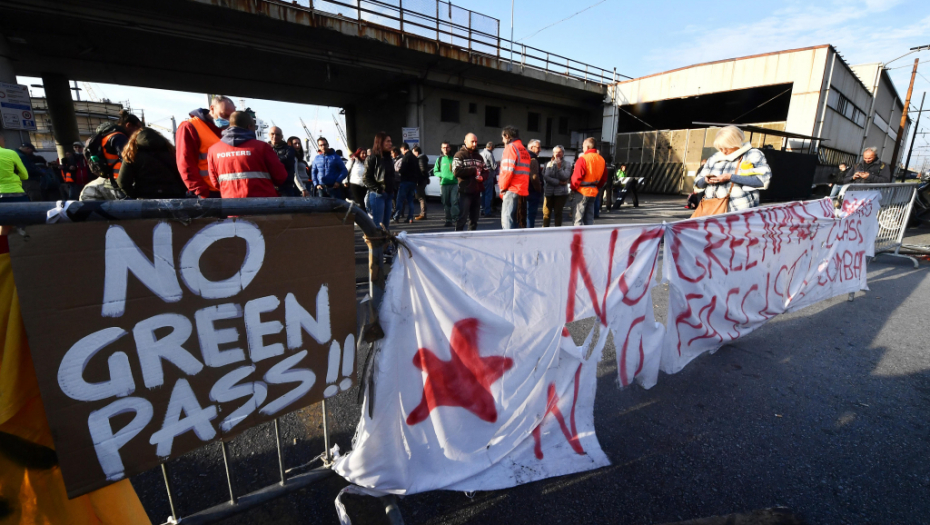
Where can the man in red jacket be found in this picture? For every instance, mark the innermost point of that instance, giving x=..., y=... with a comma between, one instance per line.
x=514, y=178
x=589, y=176
x=194, y=138
x=242, y=166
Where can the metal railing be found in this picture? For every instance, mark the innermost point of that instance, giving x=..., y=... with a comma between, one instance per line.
x=897, y=201
x=31, y=213
x=445, y=23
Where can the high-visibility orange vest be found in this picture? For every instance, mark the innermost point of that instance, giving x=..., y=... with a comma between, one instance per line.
x=594, y=170
x=207, y=139
x=113, y=159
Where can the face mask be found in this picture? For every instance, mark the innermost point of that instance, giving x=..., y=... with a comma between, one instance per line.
x=221, y=122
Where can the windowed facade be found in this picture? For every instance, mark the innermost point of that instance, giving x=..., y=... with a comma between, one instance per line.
x=842, y=105
x=472, y=108
x=532, y=121
x=492, y=116
x=563, y=125
x=448, y=110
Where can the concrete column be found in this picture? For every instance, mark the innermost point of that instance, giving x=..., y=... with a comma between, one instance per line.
x=413, y=107
x=61, y=111
x=351, y=129
x=11, y=136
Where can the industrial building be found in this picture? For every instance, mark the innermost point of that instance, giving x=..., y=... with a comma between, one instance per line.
x=812, y=100
x=89, y=116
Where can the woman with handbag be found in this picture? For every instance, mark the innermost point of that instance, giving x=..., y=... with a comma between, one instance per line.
x=732, y=177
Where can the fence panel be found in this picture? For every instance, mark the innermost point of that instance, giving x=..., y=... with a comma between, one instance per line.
x=897, y=201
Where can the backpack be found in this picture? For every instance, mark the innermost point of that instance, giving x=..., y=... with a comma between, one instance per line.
x=93, y=151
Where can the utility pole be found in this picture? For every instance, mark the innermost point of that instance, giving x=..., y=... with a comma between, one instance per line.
x=907, y=102
x=511, y=34
x=174, y=126
x=914, y=136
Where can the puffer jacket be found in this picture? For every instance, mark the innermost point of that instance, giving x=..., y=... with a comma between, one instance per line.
x=467, y=165
x=153, y=171
x=241, y=166
x=555, y=177
x=328, y=169
x=379, y=174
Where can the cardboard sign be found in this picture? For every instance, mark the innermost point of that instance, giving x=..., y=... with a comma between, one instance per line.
x=152, y=338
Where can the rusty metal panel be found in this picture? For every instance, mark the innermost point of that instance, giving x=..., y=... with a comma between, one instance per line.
x=695, y=145
x=649, y=146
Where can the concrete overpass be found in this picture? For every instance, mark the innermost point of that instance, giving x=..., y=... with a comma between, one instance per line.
x=388, y=67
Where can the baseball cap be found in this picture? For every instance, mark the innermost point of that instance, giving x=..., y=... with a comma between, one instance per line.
x=28, y=145
x=78, y=143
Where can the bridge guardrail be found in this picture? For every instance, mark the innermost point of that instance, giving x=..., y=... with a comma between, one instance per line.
x=446, y=23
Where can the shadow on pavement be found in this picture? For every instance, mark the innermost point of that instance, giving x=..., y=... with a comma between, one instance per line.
x=824, y=411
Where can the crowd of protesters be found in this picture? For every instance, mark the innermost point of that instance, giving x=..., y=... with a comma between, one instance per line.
x=217, y=155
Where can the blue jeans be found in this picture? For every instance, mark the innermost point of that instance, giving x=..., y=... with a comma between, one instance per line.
x=329, y=191
x=379, y=207
x=835, y=191
x=532, y=208
x=488, y=195
x=406, y=195
x=20, y=197
x=597, y=203
x=509, y=211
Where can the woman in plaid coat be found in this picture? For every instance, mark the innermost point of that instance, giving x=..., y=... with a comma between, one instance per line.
x=721, y=171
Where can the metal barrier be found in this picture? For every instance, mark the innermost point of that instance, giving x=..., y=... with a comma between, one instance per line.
x=443, y=22
x=897, y=201
x=185, y=210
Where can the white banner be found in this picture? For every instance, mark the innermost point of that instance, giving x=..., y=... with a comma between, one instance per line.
x=731, y=273
x=479, y=384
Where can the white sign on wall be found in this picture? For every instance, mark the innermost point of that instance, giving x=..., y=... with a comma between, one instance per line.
x=411, y=135
x=16, y=108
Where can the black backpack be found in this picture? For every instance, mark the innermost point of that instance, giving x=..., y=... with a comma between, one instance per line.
x=93, y=150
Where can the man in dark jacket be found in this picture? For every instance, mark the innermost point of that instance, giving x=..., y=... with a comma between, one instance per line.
x=409, y=177
x=470, y=171
x=422, y=182
x=836, y=180
x=869, y=170
x=35, y=167
x=288, y=157
x=327, y=172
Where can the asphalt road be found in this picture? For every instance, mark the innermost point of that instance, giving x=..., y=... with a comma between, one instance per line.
x=823, y=414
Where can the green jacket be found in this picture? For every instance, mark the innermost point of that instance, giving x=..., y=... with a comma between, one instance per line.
x=12, y=172
x=443, y=170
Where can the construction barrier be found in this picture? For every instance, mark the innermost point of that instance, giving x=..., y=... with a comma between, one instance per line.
x=896, y=204
x=182, y=212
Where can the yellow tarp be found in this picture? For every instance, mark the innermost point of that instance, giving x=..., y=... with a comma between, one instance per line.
x=37, y=496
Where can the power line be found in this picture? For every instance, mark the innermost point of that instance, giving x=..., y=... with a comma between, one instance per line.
x=562, y=20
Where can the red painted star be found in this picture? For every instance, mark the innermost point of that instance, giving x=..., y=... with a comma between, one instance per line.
x=463, y=381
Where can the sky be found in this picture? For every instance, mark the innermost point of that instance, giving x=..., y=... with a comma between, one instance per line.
x=644, y=38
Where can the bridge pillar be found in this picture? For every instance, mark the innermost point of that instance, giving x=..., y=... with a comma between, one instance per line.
x=12, y=137
x=351, y=127
x=61, y=111
x=415, y=109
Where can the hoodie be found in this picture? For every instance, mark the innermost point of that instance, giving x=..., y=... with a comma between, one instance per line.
x=241, y=166
x=467, y=165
